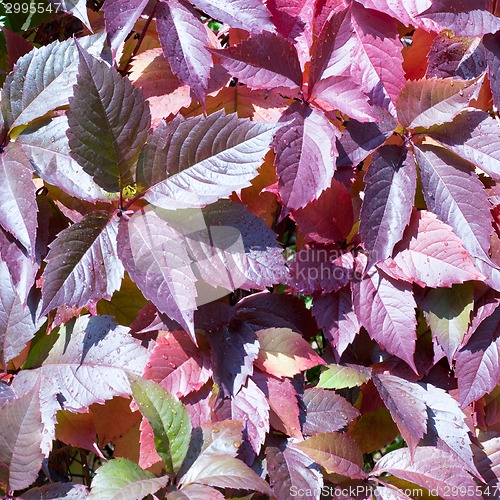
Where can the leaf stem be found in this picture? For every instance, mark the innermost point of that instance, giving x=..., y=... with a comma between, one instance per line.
x=142, y=35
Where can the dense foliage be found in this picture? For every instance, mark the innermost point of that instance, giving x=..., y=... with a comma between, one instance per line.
x=250, y=248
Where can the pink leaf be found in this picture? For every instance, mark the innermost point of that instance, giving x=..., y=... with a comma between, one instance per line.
x=430, y=254
x=305, y=155
x=386, y=309
x=184, y=41
x=431, y=101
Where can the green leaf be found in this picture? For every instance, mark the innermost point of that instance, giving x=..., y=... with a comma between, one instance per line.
x=108, y=121
x=121, y=479
x=447, y=311
x=341, y=377
x=169, y=420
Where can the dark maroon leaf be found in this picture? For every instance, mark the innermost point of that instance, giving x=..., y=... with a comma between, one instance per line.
x=335, y=316
x=431, y=468
x=194, y=162
x=477, y=366
x=454, y=193
x=329, y=218
x=44, y=80
x=325, y=411
x=120, y=17
x=358, y=139
x=17, y=205
x=46, y=145
x=464, y=17
x=21, y=432
x=336, y=452
x=474, y=136
x=305, y=155
x=17, y=46
x=492, y=52
x=459, y=57
x=324, y=270
x=184, y=41
x=432, y=101
x=155, y=256
x=108, y=123
x=430, y=254
x=265, y=61
x=87, y=248
x=391, y=181
x=292, y=470
x=386, y=308
x=177, y=365
x=70, y=491
x=18, y=323
x=250, y=15
x=234, y=349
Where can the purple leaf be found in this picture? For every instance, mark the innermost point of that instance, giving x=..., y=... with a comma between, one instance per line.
x=458, y=57
x=358, y=139
x=386, y=308
x=70, y=491
x=252, y=408
x=454, y=193
x=87, y=248
x=194, y=162
x=120, y=17
x=305, y=155
x=475, y=137
x=341, y=94
x=108, y=123
x=155, y=256
x=492, y=52
x=321, y=270
x=6, y=393
x=488, y=461
x=430, y=254
x=17, y=319
x=265, y=61
x=234, y=349
x=43, y=80
x=88, y=364
x=477, y=364
x=290, y=468
x=250, y=15
x=391, y=181
x=177, y=365
x=184, y=41
x=225, y=472
x=335, y=316
x=282, y=397
x=386, y=493
x=326, y=411
x=431, y=101
x=21, y=432
x=468, y=18
x=46, y=145
x=18, y=205
x=257, y=256
x=408, y=409
x=337, y=453
x=431, y=468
